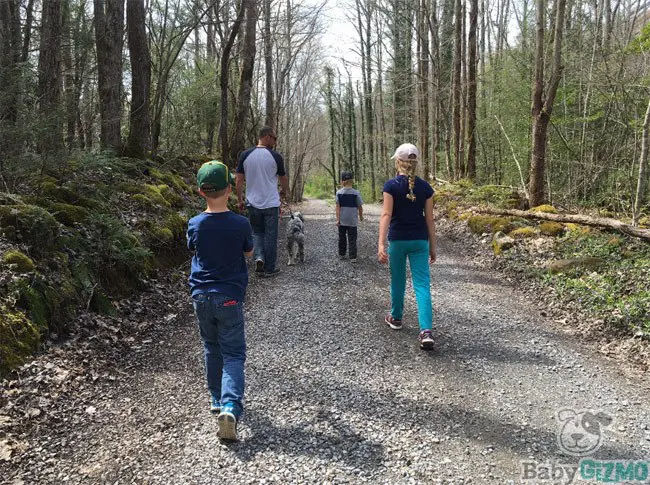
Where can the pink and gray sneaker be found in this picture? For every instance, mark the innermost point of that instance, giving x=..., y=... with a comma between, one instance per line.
x=426, y=340
x=394, y=323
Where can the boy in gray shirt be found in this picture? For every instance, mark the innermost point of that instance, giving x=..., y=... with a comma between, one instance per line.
x=348, y=206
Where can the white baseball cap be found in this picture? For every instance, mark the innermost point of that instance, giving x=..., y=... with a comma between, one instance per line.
x=406, y=151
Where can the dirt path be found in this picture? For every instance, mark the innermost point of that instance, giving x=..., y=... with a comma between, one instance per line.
x=334, y=396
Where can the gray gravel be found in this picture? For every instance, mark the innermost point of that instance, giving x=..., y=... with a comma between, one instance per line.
x=335, y=396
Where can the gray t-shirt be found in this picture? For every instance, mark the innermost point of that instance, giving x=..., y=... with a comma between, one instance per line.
x=349, y=200
x=261, y=166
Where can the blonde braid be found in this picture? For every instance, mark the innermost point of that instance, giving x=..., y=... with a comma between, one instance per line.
x=407, y=167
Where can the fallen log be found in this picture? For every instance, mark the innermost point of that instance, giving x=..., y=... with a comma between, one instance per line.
x=575, y=218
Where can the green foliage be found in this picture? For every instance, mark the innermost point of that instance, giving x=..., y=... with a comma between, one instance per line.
x=20, y=261
x=550, y=228
x=319, y=187
x=619, y=290
x=549, y=209
x=31, y=225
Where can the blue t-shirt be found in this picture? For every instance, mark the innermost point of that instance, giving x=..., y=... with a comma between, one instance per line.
x=408, y=222
x=219, y=240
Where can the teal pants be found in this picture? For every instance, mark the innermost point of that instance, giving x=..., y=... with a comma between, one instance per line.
x=417, y=252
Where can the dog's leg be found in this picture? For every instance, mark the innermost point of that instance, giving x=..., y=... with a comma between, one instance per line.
x=290, y=251
x=301, y=248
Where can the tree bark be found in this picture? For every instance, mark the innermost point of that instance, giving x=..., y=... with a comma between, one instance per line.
x=542, y=107
x=246, y=81
x=139, y=140
x=109, y=30
x=49, y=77
x=570, y=218
x=643, y=163
x=471, y=91
x=268, y=67
x=10, y=78
x=456, y=89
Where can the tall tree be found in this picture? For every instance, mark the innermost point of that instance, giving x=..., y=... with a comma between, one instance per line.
x=268, y=67
x=49, y=76
x=459, y=164
x=542, y=106
x=471, y=91
x=139, y=140
x=246, y=79
x=10, y=78
x=109, y=34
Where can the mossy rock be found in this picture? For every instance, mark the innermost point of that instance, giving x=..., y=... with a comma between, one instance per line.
x=19, y=338
x=170, y=179
x=550, y=228
x=176, y=224
x=143, y=201
x=549, y=209
x=153, y=193
x=21, y=262
x=31, y=225
x=48, y=306
x=523, y=233
x=501, y=242
x=66, y=195
x=566, y=265
x=644, y=222
x=68, y=214
x=488, y=224
x=464, y=216
x=170, y=196
x=577, y=228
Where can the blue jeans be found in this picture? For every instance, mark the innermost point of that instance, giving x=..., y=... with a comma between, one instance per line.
x=417, y=252
x=221, y=322
x=265, y=235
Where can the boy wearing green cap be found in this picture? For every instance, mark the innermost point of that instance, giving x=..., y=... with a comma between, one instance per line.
x=220, y=240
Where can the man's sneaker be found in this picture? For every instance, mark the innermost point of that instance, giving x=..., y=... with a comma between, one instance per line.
x=394, y=323
x=259, y=266
x=353, y=260
x=227, y=425
x=426, y=340
x=272, y=273
x=215, y=406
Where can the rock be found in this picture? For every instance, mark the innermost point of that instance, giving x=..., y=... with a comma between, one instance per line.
x=501, y=242
x=565, y=265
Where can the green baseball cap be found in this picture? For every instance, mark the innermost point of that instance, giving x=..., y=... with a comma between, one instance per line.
x=214, y=176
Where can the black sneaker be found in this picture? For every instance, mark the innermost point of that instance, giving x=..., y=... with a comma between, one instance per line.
x=426, y=340
x=269, y=274
x=393, y=323
x=259, y=266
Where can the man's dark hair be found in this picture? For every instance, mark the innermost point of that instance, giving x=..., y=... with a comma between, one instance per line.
x=266, y=131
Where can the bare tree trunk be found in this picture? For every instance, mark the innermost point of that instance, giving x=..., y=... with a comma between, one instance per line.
x=223, y=81
x=49, y=76
x=245, y=82
x=542, y=108
x=643, y=164
x=471, y=92
x=109, y=34
x=139, y=141
x=27, y=31
x=10, y=79
x=456, y=94
x=423, y=84
x=68, y=78
x=268, y=66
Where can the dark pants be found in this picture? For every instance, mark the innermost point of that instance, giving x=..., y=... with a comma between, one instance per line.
x=265, y=235
x=348, y=235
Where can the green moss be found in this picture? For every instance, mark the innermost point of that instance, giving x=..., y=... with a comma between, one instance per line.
x=66, y=195
x=488, y=224
x=550, y=228
x=171, y=179
x=143, y=201
x=577, y=228
x=170, y=196
x=644, y=222
x=68, y=214
x=523, y=232
x=152, y=192
x=30, y=225
x=549, y=209
x=22, y=262
x=176, y=224
x=19, y=338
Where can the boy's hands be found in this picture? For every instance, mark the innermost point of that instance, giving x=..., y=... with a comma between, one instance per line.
x=432, y=255
x=381, y=254
x=361, y=218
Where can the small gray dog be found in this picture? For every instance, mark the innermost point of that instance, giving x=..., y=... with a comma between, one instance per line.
x=296, y=238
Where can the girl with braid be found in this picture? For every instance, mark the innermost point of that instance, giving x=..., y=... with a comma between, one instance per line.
x=407, y=220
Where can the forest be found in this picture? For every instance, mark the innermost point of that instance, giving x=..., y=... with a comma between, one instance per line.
x=547, y=96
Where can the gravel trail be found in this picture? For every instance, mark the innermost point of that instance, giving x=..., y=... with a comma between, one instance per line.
x=335, y=396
